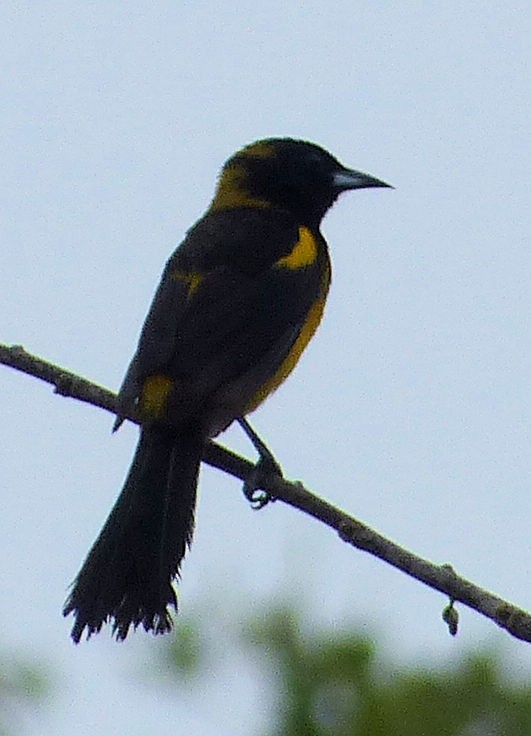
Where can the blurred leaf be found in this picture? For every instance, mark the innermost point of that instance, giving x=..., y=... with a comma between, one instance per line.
x=186, y=649
x=332, y=683
x=22, y=685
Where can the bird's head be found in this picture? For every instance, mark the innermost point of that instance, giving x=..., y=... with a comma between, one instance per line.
x=293, y=175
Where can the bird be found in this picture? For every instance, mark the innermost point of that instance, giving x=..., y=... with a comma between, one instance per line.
x=237, y=303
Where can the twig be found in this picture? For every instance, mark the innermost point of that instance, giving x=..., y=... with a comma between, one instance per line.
x=439, y=577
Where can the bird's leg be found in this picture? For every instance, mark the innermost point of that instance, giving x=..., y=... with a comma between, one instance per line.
x=266, y=466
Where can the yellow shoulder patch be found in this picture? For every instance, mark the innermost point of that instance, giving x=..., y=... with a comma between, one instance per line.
x=154, y=397
x=191, y=278
x=304, y=251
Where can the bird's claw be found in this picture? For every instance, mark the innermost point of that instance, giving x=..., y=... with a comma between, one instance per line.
x=253, y=490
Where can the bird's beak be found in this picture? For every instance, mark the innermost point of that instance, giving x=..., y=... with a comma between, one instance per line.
x=350, y=179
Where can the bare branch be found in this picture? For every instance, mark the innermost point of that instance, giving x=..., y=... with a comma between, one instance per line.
x=439, y=577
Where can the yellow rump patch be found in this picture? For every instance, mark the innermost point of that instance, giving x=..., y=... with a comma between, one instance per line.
x=191, y=278
x=303, y=253
x=155, y=392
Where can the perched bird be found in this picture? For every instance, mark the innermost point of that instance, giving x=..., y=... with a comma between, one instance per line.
x=238, y=301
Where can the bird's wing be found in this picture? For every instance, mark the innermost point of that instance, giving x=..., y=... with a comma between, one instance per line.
x=218, y=316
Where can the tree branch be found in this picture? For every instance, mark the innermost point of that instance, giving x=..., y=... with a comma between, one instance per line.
x=439, y=577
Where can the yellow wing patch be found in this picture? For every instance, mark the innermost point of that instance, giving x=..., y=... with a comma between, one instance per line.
x=303, y=253
x=154, y=397
x=192, y=279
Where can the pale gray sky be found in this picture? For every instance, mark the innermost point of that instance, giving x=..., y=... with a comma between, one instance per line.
x=411, y=408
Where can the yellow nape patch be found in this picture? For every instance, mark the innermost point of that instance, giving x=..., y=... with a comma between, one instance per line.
x=259, y=150
x=192, y=279
x=232, y=191
x=154, y=397
x=303, y=253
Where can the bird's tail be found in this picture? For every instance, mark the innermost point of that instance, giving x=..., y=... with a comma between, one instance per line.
x=127, y=576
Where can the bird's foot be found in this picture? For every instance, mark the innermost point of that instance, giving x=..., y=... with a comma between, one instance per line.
x=267, y=466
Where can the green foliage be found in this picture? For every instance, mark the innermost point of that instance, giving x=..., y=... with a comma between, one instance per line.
x=21, y=686
x=335, y=684
x=186, y=649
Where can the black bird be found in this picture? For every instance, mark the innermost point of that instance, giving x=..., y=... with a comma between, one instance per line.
x=237, y=304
